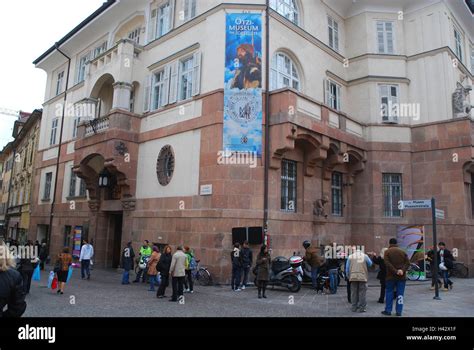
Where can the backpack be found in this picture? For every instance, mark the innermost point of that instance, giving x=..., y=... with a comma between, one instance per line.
x=192, y=263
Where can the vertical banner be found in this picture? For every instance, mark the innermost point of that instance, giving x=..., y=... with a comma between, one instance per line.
x=77, y=240
x=243, y=84
x=412, y=240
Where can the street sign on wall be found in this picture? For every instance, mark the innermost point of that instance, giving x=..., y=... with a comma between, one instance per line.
x=439, y=214
x=415, y=204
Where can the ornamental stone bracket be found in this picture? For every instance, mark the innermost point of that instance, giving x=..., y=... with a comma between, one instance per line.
x=129, y=204
x=94, y=205
x=282, y=140
x=113, y=167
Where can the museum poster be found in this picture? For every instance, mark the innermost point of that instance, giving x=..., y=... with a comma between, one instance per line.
x=243, y=84
x=412, y=240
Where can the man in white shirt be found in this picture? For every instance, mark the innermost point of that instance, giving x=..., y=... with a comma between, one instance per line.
x=87, y=252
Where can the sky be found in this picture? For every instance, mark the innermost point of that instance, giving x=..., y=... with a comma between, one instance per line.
x=29, y=28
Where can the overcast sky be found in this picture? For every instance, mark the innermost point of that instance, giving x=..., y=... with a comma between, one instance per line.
x=29, y=28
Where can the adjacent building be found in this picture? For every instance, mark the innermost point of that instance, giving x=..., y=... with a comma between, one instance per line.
x=369, y=104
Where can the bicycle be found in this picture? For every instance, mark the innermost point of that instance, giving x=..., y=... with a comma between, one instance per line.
x=201, y=275
x=459, y=270
x=414, y=272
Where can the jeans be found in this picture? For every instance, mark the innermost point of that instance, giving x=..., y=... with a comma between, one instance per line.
x=400, y=286
x=177, y=284
x=125, y=277
x=333, y=280
x=358, y=295
x=446, y=280
x=245, y=270
x=236, y=273
x=152, y=279
x=314, y=276
x=188, y=281
x=85, y=268
x=139, y=275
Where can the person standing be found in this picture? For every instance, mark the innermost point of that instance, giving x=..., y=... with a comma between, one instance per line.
x=164, y=268
x=127, y=262
x=446, y=263
x=27, y=265
x=263, y=271
x=381, y=275
x=357, y=268
x=236, y=259
x=87, y=252
x=332, y=264
x=177, y=272
x=190, y=265
x=314, y=260
x=152, y=270
x=144, y=255
x=43, y=255
x=12, y=293
x=397, y=263
x=64, y=261
x=247, y=261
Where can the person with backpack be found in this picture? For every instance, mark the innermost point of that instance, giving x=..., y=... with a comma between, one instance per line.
x=163, y=266
x=236, y=258
x=190, y=267
x=247, y=260
x=127, y=262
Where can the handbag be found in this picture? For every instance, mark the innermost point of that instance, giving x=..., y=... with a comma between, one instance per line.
x=37, y=274
x=69, y=274
x=54, y=285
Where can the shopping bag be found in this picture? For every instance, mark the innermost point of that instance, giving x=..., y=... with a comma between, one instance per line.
x=54, y=285
x=69, y=274
x=50, y=279
x=36, y=274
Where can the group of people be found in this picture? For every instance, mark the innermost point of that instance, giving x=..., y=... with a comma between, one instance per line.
x=158, y=268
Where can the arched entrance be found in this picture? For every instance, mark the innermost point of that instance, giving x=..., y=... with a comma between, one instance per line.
x=103, y=93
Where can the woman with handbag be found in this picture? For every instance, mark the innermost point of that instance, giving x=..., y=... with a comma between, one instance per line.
x=263, y=271
x=62, y=268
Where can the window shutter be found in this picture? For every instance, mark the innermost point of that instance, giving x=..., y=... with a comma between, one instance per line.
x=327, y=92
x=172, y=7
x=152, y=25
x=338, y=98
x=147, y=97
x=196, y=73
x=166, y=87
x=174, y=75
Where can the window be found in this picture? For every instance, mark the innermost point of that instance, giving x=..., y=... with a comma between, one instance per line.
x=164, y=19
x=392, y=194
x=32, y=150
x=82, y=189
x=286, y=8
x=59, y=83
x=189, y=9
x=284, y=73
x=67, y=236
x=472, y=59
x=336, y=190
x=159, y=90
x=54, y=130
x=288, y=185
x=389, y=103
x=77, y=120
x=333, y=28
x=81, y=70
x=134, y=35
x=165, y=165
x=25, y=156
x=385, y=41
x=333, y=94
x=72, y=184
x=458, y=42
x=186, y=79
x=47, y=186
x=99, y=50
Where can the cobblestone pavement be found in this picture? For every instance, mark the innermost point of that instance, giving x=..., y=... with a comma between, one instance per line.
x=104, y=296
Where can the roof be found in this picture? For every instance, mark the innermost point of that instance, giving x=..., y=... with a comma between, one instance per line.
x=78, y=28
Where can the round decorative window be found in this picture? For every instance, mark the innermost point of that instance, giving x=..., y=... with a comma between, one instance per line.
x=165, y=165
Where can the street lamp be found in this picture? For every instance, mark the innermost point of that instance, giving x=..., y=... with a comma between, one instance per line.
x=104, y=179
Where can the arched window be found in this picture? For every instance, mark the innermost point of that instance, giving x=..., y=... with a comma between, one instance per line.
x=286, y=8
x=284, y=73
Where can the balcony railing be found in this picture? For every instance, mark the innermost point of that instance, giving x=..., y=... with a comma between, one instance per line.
x=97, y=126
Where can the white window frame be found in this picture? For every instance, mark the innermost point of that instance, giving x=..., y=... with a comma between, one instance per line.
x=47, y=186
x=280, y=75
x=59, y=83
x=72, y=183
x=163, y=18
x=158, y=99
x=189, y=9
x=99, y=50
x=186, y=72
x=288, y=9
x=54, y=131
x=385, y=37
x=134, y=35
x=333, y=94
x=392, y=116
x=458, y=43
x=81, y=67
x=333, y=33
x=472, y=58
x=76, y=122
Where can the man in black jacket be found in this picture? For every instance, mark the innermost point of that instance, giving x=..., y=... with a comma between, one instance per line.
x=12, y=294
x=378, y=260
x=446, y=262
x=247, y=259
x=236, y=258
x=127, y=262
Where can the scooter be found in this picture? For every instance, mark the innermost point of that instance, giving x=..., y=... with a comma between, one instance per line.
x=284, y=274
x=304, y=270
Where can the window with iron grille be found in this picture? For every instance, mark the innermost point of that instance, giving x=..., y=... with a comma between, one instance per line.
x=72, y=184
x=288, y=185
x=336, y=190
x=47, y=186
x=392, y=194
x=82, y=189
x=165, y=165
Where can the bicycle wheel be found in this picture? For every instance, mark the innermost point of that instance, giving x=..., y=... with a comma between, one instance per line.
x=203, y=277
x=413, y=273
x=460, y=270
